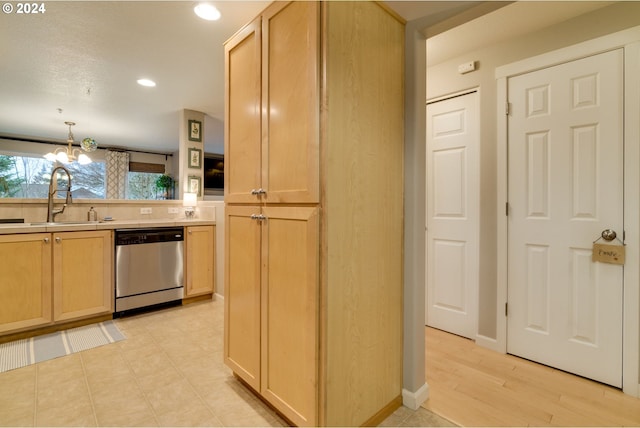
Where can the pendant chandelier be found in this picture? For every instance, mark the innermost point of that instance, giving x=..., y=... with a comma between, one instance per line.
x=69, y=154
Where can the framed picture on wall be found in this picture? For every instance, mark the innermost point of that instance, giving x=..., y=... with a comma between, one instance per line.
x=195, y=158
x=194, y=185
x=195, y=130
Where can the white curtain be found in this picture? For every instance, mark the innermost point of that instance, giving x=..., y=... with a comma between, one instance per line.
x=117, y=170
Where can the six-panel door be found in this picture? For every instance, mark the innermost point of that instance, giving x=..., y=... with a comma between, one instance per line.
x=566, y=183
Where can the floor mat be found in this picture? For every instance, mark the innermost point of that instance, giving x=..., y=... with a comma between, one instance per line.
x=23, y=352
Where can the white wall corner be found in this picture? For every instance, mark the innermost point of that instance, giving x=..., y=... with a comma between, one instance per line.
x=414, y=400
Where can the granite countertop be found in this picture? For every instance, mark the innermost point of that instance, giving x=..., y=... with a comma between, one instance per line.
x=39, y=227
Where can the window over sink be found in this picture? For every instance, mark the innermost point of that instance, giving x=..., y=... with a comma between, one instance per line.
x=28, y=177
x=25, y=173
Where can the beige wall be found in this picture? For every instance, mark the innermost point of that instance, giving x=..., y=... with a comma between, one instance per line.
x=413, y=364
x=184, y=172
x=443, y=79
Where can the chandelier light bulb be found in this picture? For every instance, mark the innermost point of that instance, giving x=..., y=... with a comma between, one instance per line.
x=62, y=157
x=83, y=159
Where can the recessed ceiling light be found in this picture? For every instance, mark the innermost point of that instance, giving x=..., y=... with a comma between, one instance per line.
x=146, y=82
x=207, y=11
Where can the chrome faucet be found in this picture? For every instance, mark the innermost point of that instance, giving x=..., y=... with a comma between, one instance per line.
x=51, y=213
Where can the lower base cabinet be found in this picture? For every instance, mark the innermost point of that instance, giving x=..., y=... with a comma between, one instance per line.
x=272, y=304
x=54, y=277
x=199, y=260
x=25, y=290
x=82, y=274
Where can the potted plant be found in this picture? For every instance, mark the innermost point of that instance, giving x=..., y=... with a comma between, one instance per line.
x=164, y=184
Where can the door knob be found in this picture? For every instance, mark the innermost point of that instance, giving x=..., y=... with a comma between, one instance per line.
x=609, y=234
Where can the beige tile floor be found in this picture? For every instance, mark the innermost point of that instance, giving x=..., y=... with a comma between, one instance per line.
x=168, y=372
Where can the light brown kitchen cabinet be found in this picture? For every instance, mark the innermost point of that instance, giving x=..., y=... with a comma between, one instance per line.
x=49, y=278
x=272, y=305
x=82, y=274
x=243, y=115
x=272, y=108
x=242, y=292
x=25, y=290
x=199, y=260
x=314, y=210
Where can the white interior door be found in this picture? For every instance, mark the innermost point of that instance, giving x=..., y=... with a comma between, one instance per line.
x=453, y=214
x=565, y=149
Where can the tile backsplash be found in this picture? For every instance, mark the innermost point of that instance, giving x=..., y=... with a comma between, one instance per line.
x=33, y=210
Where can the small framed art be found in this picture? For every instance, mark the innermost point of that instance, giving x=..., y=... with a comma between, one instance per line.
x=195, y=130
x=194, y=185
x=195, y=158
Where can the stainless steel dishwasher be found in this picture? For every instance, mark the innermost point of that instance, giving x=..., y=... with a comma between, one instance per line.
x=149, y=267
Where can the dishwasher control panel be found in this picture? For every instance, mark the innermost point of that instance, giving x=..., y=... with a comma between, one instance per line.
x=148, y=236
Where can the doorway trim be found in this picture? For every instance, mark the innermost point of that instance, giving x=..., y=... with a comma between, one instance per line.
x=629, y=40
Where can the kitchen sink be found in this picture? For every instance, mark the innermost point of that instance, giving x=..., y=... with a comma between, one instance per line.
x=63, y=223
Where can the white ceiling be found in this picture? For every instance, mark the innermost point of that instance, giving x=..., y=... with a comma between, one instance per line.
x=79, y=61
x=84, y=57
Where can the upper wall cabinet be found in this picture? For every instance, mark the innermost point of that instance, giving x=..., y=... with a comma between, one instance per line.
x=272, y=107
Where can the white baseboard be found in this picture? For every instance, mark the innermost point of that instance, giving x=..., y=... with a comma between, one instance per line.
x=414, y=400
x=489, y=343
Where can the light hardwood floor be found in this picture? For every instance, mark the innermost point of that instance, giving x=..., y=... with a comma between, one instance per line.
x=474, y=386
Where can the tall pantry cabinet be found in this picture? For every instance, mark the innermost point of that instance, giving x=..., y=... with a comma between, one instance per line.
x=314, y=221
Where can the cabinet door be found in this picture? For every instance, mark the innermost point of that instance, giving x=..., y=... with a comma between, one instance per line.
x=291, y=51
x=242, y=115
x=290, y=311
x=199, y=260
x=25, y=281
x=242, y=293
x=82, y=274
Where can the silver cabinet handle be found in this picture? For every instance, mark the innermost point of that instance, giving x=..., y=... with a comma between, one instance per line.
x=258, y=217
x=58, y=239
x=46, y=240
x=259, y=191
